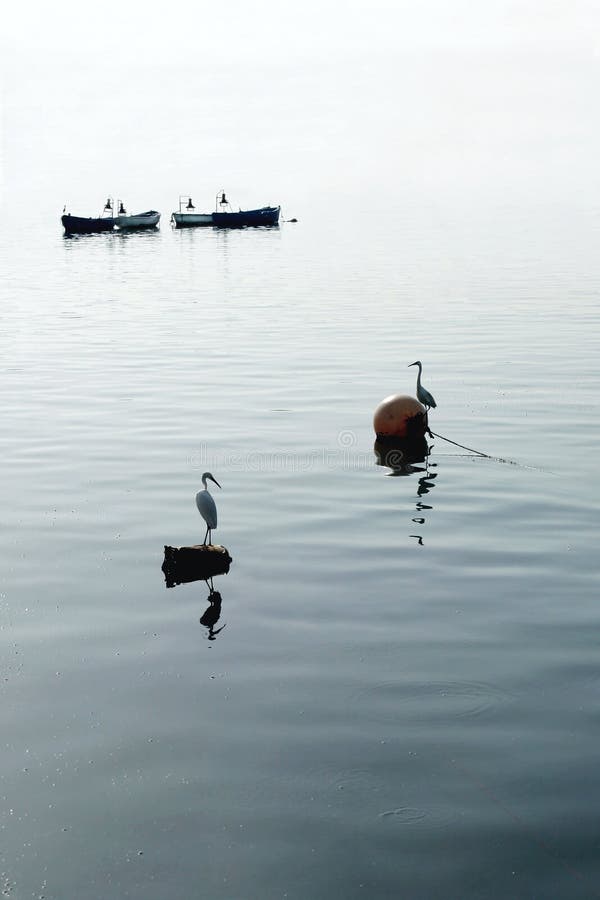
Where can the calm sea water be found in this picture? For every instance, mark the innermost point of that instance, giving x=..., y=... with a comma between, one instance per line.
x=404, y=698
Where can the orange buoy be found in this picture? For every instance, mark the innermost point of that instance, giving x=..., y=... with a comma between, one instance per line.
x=400, y=416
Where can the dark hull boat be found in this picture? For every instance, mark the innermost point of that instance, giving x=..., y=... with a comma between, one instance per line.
x=267, y=215
x=81, y=225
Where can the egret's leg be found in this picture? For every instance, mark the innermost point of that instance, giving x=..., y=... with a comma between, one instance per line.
x=210, y=535
x=205, y=536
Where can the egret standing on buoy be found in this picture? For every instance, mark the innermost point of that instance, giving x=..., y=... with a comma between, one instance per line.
x=423, y=395
x=207, y=506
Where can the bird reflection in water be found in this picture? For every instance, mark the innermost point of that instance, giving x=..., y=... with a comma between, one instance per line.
x=409, y=457
x=184, y=565
x=212, y=614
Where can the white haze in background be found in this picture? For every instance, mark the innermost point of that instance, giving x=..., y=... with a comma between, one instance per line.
x=152, y=33
x=278, y=102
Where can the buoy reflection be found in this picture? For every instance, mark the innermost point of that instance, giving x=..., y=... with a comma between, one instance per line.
x=406, y=457
x=401, y=454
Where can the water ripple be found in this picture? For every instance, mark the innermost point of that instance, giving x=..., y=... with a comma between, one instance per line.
x=420, y=817
x=438, y=699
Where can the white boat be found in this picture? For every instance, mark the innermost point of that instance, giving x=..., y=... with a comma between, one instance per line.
x=148, y=219
x=187, y=217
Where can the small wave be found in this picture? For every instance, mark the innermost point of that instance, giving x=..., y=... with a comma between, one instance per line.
x=428, y=817
x=455, y=699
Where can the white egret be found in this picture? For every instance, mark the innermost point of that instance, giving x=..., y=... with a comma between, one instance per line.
x=423, y=395
x=207, y=506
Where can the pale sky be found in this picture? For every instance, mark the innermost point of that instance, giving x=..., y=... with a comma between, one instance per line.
x=431, y=85
x=277, y=29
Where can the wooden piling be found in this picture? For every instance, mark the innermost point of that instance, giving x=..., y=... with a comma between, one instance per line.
x=195, y=563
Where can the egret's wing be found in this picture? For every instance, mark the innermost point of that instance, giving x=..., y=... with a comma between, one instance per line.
x=207, y=508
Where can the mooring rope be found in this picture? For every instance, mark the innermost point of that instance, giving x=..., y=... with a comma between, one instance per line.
x=462, y=446
x=500, y=459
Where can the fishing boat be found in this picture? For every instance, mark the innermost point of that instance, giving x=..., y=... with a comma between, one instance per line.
x=187, y=217
x=148, y=219
x=81, y=225
x=225, y=217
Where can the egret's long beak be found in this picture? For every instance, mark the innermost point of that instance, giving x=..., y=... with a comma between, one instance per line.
x=216, y=482
x=410, y=364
